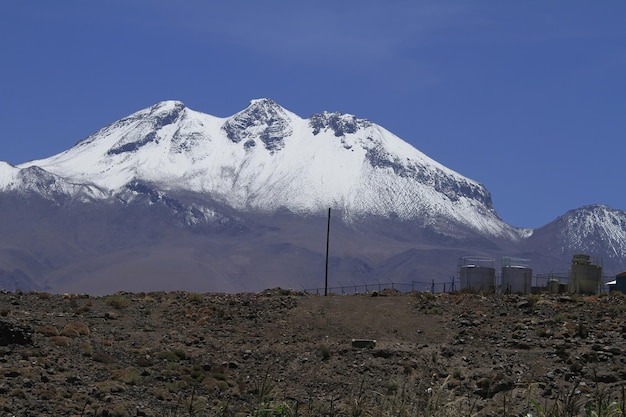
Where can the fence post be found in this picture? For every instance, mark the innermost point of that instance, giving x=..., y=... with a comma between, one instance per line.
x=327, y=247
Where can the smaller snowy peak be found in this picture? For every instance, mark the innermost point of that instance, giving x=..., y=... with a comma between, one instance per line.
x=28, y=179
x=595, y=212
x=166, y=112
x=36, y=180
x=340, y=124
x=586, y=218
x=586, y=228
x=263, y=118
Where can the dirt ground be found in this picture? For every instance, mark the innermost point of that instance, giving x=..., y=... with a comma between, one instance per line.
x=289, y=353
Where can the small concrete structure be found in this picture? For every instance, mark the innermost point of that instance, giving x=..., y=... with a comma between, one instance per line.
x=585, y=275
x=363, y=343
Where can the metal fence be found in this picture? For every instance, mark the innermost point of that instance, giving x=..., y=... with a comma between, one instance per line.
x=355, y=288
x=549, y=282
x=539, y=283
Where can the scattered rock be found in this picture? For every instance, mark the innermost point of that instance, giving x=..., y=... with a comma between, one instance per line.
x=224, y=350
x=13, y=333
x=383, y=353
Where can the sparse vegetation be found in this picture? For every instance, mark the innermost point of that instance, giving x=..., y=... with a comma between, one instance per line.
x=61, y=340
x=130, y=375
x=324, y=352
x=118, y=301
x=195, y=297
x=48, y=330
x=172, y=355
x=86, y=349
x=533, y=299
x=75, y=329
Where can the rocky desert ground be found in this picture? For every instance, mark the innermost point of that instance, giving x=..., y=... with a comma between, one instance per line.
x=286, y=353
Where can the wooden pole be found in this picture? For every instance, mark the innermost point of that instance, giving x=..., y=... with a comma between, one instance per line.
x=327, y=246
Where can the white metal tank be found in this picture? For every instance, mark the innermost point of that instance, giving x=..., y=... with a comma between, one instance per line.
x=516, y=276
x=477, y=273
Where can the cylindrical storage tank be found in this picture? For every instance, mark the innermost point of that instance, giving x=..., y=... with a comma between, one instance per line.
x=478, y=278
x=585, y=278
x=516, y=279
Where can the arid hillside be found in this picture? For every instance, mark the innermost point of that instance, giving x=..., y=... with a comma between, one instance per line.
x=284, y=353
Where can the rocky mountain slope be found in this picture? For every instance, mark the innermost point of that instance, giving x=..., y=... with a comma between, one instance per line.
x=170, y=198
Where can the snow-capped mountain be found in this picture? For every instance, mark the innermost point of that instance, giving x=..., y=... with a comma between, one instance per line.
x=596, y=230
x=170, y=198
x=266, y=158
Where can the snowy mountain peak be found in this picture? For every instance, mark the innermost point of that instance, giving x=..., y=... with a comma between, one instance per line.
x=166, y=113
x=262, y=102
x=153, y=120
x=263, y=118
x=166, y=106
x=140, y=127
x=339, y=123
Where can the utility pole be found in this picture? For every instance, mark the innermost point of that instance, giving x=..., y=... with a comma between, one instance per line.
x=327, y=246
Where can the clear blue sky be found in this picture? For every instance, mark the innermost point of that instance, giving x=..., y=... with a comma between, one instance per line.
x=526, y=97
